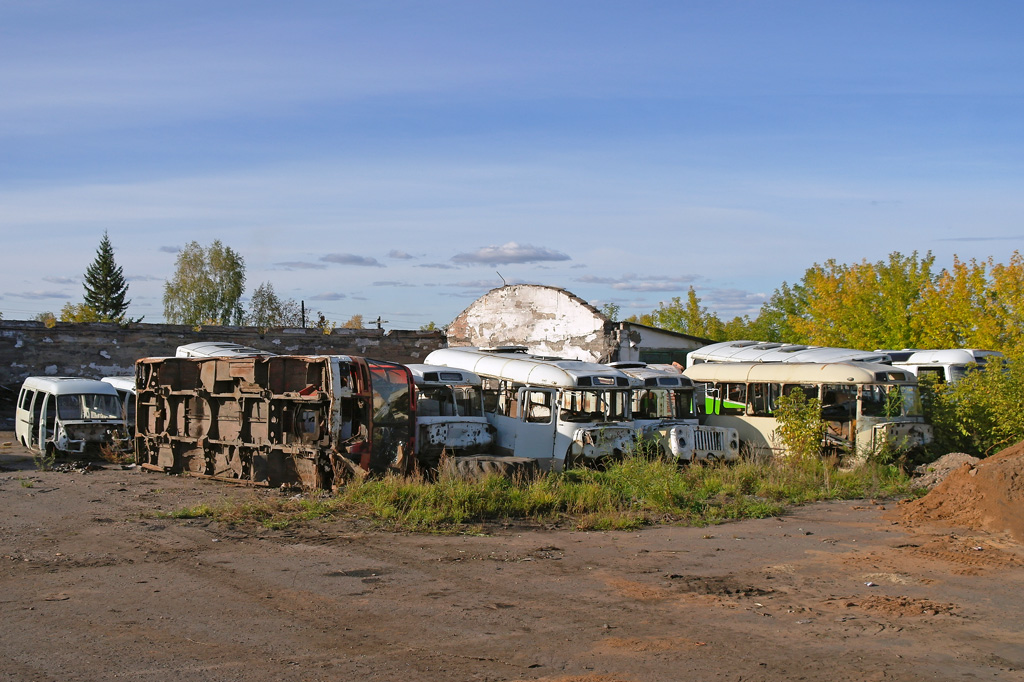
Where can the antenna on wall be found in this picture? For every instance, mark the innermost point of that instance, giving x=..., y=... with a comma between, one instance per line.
x=503, y=282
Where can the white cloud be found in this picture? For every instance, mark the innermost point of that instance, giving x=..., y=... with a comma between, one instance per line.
x=510, y=253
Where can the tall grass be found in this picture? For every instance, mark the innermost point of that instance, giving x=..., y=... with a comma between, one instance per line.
x=625, y=495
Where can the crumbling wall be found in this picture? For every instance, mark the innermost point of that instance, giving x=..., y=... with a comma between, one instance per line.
x=547, y=320
x=29, y=348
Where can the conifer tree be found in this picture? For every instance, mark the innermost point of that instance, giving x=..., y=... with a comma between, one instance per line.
x=105, y=286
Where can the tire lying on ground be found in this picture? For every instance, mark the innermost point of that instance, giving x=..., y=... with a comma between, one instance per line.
x=479, y=467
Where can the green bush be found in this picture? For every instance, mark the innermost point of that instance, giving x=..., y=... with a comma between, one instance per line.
x=980, y=414
x=801, y=428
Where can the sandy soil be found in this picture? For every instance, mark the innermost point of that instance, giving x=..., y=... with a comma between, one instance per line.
x=94, y=586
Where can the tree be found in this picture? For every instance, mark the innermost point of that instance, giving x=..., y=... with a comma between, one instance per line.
x=207, y=286
x=864, y=305
x=354, y=322
x=105, y=286
x=79, y=312
x=611, y=311
x=267, y=309
x=688, y=318
x=47, y=318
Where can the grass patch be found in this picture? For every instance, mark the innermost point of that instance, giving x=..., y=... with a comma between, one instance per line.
x=629, y=494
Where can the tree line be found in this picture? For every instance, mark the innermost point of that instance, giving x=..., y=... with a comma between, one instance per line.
x=902, y=301
x=206, y=289
x=899, y=302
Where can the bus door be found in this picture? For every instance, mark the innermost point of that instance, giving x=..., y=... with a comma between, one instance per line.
x=535, y=432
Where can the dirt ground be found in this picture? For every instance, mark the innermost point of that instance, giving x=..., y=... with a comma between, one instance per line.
x=94, y=585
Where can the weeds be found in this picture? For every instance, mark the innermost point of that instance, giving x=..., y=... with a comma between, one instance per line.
x=628, y=494
x=46, y=459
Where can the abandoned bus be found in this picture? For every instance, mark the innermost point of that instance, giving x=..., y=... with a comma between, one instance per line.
x=217, y=349
x=274, y=419
x=663, y=411
x=765, y=351
x=125, y=387
x=69, y=416
x=558, y=412
x=945, y=366
x=449, y=414
x=864, y=405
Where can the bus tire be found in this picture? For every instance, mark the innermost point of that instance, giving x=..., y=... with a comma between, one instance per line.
x=478, y=467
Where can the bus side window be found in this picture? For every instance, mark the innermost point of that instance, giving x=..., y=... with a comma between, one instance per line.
x=538, y=407
x=762, y=399
x=508, y=401
x=809, y=390
x=490, y=391
x=938, y=373
x=734, y=399
x=838, y=402
x=51, y=414
x=37, y=409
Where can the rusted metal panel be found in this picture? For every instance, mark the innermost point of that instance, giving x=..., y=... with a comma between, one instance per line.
x=274, y=420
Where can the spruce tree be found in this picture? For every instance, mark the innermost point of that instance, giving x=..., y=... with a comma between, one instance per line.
x=105, y=287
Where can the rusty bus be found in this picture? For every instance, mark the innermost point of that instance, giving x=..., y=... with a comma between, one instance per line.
x=275, y=419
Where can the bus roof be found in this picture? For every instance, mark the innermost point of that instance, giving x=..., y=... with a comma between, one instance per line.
x=68, y=385
x=652, y=376
x=123, y=383
x=439, y=374
x=952, y=356
x=763, y=351
x=520, y=367
x=218, y=349
x=799, y=372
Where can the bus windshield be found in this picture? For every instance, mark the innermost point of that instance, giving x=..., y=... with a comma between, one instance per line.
x=660, y=403
x=449, y=401
x=593, y=406
x=888, y=400
x=88, y=406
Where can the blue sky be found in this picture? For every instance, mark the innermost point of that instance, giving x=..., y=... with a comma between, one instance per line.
x=392, y=158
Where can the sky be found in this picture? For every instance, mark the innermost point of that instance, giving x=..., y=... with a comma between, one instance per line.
x=398, y=159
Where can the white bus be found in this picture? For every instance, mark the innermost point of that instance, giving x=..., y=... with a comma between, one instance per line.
x=69, y=416
x=663, y=410
x=558, y=412
x=768, y=351
x=125, y=387
x=864, y=405
x=218, y=349
x=449, y=414
x=948, y=366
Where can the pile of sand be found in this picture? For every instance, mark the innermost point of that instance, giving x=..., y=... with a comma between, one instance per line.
x=988, y=495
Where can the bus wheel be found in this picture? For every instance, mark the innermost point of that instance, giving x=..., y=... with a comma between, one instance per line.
x=479, y=467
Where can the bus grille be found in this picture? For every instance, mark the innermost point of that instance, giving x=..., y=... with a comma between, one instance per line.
x=708, y=440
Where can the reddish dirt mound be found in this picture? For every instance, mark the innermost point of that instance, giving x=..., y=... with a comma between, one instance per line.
x=988, y=495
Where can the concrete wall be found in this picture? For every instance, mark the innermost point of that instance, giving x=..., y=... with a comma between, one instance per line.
x=97, y=350
x=547, y=320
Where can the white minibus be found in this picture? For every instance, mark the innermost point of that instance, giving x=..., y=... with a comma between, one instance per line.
x=69, y=416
